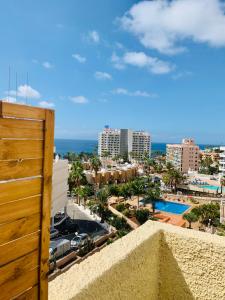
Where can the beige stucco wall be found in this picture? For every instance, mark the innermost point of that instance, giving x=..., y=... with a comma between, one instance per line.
x=156, y=261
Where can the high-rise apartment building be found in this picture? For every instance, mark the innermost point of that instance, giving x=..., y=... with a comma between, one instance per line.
x=124, y=142
x=184, y=156
x=141, y=144
x=222, y=161
x=109, y=142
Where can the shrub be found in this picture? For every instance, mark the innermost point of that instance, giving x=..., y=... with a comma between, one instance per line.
x=142, y=215
x=126, y=212
x=120, y=207
x=119, y=223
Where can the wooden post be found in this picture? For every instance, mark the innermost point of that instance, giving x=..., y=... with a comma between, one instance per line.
x=46, y=202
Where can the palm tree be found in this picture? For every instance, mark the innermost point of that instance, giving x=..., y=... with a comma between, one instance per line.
x=102, y=200
x=173, y=177
x=95, y=166
x=138, y=189
x=190, y=217
x=77, y=191
x=149, y=165
x=76, y=176
x=153, y=194
x=114, y=190
x=222, y=183
x=85, y=192
x=125, y=190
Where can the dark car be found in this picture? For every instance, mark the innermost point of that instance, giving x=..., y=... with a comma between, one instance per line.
x=80, y=240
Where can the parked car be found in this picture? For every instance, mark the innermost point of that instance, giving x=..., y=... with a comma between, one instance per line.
x=80, y=240
x=58, y=248
x=53, y=233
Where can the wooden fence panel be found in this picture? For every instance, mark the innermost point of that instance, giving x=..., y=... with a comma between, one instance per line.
x=26, y=158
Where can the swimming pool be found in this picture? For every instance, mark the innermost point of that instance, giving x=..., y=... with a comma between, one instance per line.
x=211, y=187
x=170, y=207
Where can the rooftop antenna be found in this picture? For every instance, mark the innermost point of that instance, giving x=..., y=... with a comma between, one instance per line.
x=27, y=88
x=9, y=82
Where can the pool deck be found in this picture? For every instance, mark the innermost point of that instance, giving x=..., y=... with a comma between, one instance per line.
x=164, y=217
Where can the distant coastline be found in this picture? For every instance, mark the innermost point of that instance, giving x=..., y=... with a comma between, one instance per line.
x=69, y=145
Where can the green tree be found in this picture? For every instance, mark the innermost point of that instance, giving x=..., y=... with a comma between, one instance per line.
x=190, y=217
x=142, y=215
x=206, y=212
x=95, y=166
x=153, y=194
x=138, y=189
x=85, y=192
x=222, y=183
x=125, y=190
x=172, y=178
x=102, y=201
x=76, y=176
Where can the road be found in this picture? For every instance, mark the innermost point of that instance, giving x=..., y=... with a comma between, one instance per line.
x=85, y=222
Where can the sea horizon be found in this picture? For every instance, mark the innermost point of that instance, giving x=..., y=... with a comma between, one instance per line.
x=90, y=145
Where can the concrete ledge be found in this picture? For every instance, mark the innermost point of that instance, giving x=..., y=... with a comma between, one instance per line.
x=156, y=261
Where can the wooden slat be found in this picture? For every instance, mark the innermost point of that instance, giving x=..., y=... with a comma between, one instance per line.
x=19, y=209
x=16, y=229
x=46, y=203
x=19, y=275
x=18, y=248
x=22, y=111
x=31, y=294
x=19, y=189
x=24, y=129
x=14, y=169
x=20, y=149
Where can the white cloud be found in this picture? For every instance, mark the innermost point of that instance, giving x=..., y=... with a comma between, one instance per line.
x=141, y=60
x=79, y=58
x=94, y=36
x=117, y=62
x=79, y=99
x=163, y=25
x=122, y=91
x=102, y=75
x=46, y=104
x=25, y=91
x=47, y=65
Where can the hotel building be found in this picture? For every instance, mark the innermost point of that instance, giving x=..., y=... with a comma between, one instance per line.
x=184, y=156
x=222, y=161
x=124, y=142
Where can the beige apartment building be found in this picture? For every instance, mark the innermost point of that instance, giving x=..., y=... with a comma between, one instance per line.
x=124, y=142
x=184, y=156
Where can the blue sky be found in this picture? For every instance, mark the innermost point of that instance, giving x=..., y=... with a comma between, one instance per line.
x=152, y=65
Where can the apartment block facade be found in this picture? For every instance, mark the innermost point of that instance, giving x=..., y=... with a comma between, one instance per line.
x=184, y=156
x=124, y=142
x=222, y=161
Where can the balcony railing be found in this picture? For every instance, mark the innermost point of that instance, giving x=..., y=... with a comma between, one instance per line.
x=155, y=261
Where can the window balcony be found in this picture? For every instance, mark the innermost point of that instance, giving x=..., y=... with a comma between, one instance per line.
x=156, y=262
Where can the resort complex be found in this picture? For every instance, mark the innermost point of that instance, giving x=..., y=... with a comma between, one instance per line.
x=124, y=143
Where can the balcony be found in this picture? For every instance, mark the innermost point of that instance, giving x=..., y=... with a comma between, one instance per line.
x=156, y=262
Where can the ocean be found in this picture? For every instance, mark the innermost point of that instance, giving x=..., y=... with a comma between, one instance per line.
x=77, y=146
